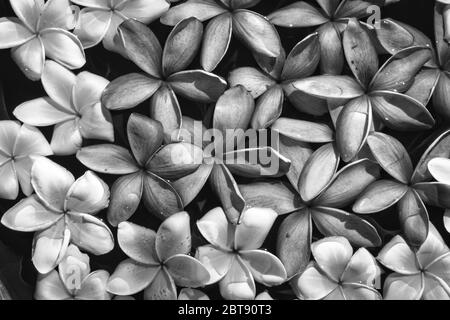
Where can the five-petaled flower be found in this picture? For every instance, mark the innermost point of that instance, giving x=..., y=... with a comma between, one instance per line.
x=99, y=20
x=145, y=172
x=338, y=274
x=234, y=258
x=72, y=105
x=157, y=260
x=73, y=280
x=19, y=146
x=61, y=212
x=41, y=30
x=418, y=274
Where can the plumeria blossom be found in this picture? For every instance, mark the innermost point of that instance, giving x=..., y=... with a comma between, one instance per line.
x=320, y=195
x=228, y=17
x=158, y=261
x=271, y=88
x=72, y=105
x=410, y=187
x=372, y=91
x=331, y=19
x=440, y=170
x=418, y=274
x=41, y=30
x=73, y=280
x=234, y=258
x=226, y=154
x=145, y=171
x=19, y=146
x=165, y=75
x=338, y=274
x=433, y=82
x=61, y=212
x=99, y=20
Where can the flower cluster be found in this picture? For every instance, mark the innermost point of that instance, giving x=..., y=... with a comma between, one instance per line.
x=204, y=205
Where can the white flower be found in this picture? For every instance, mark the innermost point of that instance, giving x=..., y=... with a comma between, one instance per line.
x=41, y=30
x=73, y=105
x=100, y=19
x=19, y=146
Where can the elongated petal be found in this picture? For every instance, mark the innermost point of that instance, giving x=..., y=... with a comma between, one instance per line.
x=304, y=102
x=253, y=228
x=9, y=132
x=303, y=60
x=273, y=195
x=401, y=112
x=216, y=41
x=334, y=222
x=13, y=33
x=66, y=138
x=23, y=171
x=144, y=10
x=353, y=126
x=440, y=169
x=174, y=236
x=391, y=155
x=413, y=217
x=162, y=287
x=165, y=108
x=215, y=228
x=138, y=243
x=304, y=131
x=50, y=287
x=227, y=190
x=198, y=85
x=439, y=34
x=42, y=112
x=238, y=284
x=318, y=172
x=393, y=36
x=200, y=9
x=63, y=47
x=251, y=79
x=332, y=87
x=51, y=191
x=30, y=58
x=108, y=158
x=314, y=284
x=187, y=271
x=348, y=184
x=28, y=11
x=182, y=45
x=400, y=287
x=298, y=14
x=379, y=196
x=59, y=82
x=131, y=277
x=425, y=87
x=268, y=108
x=398, y=256
x=92, y=26
x=257, y=33
x=294, y=240
x=265, y=267
x=9, y=188
x=434, y=193
x=332, y=58
x=188, y=187
x=440, y=96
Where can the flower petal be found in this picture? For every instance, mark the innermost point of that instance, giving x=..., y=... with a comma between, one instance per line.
x=413, y=218
x=313, y=284
x=9, y=188
x=30, y=57
x=433, y=247
x=217, y=262
x=304, y=131
x=161, y=288
x=265, y=267
x=187, y=271
x=23, y=171
x=30, y=141
x=59, y=82
x=434, y=290
x=88, y=90
x=174, y=236
x=66, y=139
x=238, y=283
x=42, y=112
x=440, y=169
x=299, y=14
x=362, y=269
x=138, y=243
x=92, y=26
x=28, y=11
x=200, y=9
x=56, y=14
x=400, y=287
x=98, y=4
x=216, y=41
x=96, y=123
x=330, y=87
x=332, y=58
x=165, y=108
x=108, y=158
x=251, y=79
x=74, y=268
x=144, y=10
x=13, y=33
x=216, y=229
x=379, y=196
x=188, y=187
x=94, y=287
x=192, y=294
x=50, y=286
x=298, y=153
x=434, y=193
x=268, y=108
x=9, y=133
x=358, y=292
x=398, y=256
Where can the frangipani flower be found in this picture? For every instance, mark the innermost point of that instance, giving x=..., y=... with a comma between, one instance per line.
x=372, y=91
x=228, y=17
x=41, y=30
x=19, y=146
x=72, y=105
x=331, y=19
x=144, y=171
x=61, y=212
x=165, y=76
x=440, y=170
x=73, y=280
x=271, y=88
x=418, y=274
x=338, y=274
x=99, y=20
x=410, y=187
x=434, y=79
x=319, y=197
x=157, y=260
x=233, y=257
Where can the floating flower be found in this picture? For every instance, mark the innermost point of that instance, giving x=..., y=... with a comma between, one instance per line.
x=73, y=106
x=418, y=274
x=73, y=280
x=410, y=187
x=165, y=75
x=99, y=20
x=319, y=197
x=331, y=20
x=228, y=17
x=157, y=261
x=145, y=171
x=233, y=256
x=372, y=91
x=61, y=212
x=19, y=146
x=338, y=274
x=41, y=30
